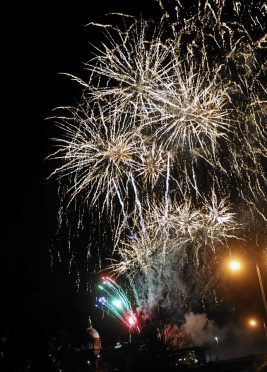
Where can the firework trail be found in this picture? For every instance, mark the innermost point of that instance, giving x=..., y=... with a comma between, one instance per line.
x=113, y=300
x=173, y=113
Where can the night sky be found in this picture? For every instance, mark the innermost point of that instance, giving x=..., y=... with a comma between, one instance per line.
x=39, y=42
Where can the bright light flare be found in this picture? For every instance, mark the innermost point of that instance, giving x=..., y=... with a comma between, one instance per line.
x=252, y=323
x=234, y=265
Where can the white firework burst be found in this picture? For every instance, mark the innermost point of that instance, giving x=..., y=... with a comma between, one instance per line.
x=153, y=163
x=194, y=112
x=98, y=155
x=177, y=116
x=128, y=68
x=184, y=229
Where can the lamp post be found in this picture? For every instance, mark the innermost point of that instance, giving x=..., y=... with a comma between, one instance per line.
x=217, y=344
x=262, y=290
x=263, y=297
x=235, y=265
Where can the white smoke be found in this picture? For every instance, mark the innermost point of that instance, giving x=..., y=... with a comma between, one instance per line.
x=233, y=339
x=201, y=330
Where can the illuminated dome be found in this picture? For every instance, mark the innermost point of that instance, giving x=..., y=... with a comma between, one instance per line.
x=92, y=333
x=93, y=342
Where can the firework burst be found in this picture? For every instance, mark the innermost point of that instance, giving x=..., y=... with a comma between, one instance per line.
x=114, y=301
x=98, y=156
x=174, y=113
x=184, y=226
x=152, y=164
x=129, y=68
x=159, y=257
x=193, y=111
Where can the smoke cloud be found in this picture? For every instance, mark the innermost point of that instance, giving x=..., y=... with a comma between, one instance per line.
x=234, y=339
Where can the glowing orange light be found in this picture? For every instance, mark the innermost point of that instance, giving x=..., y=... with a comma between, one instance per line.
x=234, y=265
x=253, y=323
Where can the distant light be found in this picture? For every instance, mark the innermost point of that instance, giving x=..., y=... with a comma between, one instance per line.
x=216, y=338
x=234, y=265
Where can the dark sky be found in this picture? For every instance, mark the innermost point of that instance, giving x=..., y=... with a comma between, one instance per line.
x=39, y=42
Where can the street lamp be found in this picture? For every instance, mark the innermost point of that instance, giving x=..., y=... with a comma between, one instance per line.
x=262, y=289
x=217, y=344
x=235, y=265
x=252, y=323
